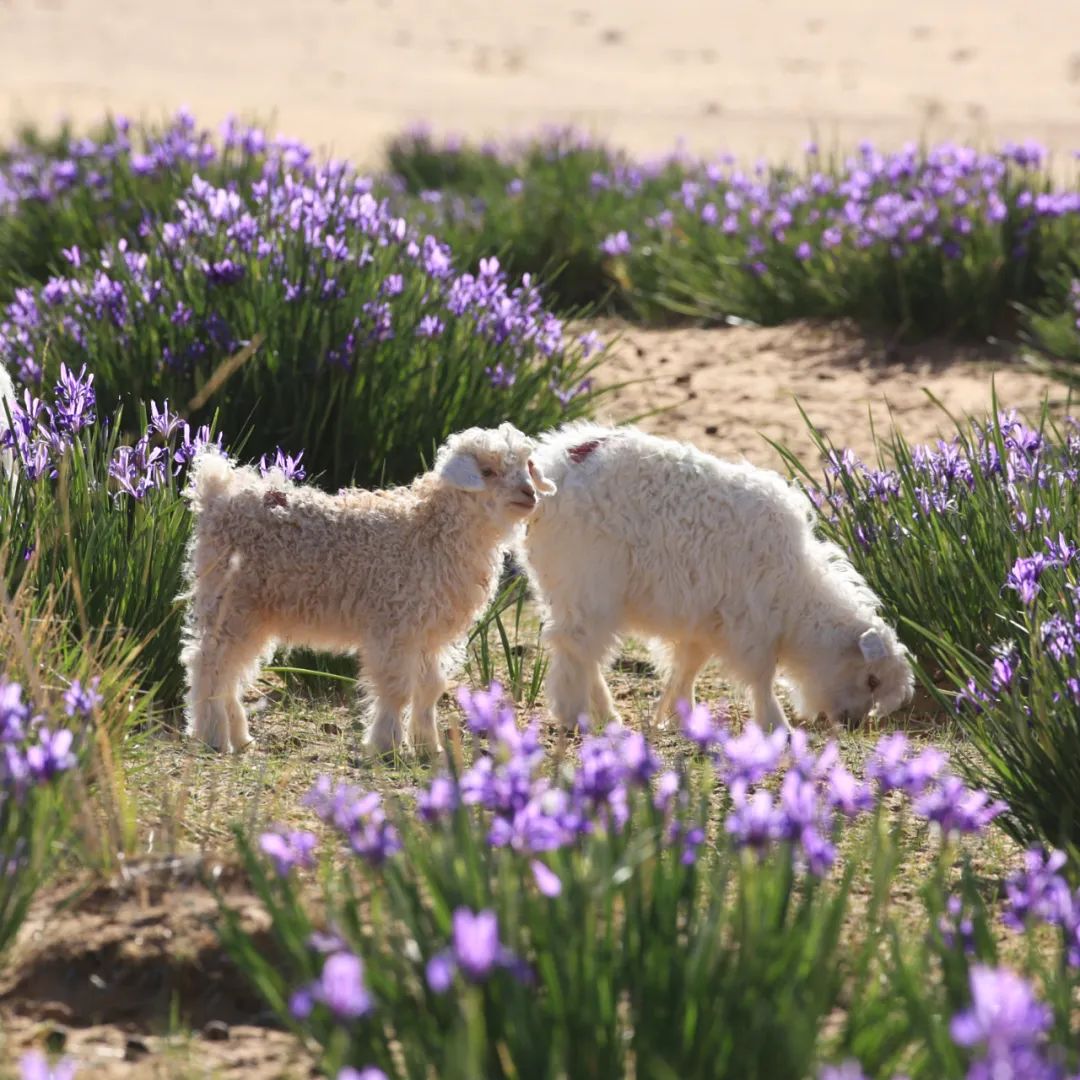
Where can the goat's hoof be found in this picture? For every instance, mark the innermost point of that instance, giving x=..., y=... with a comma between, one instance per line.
x=220, y=744
x=383, y=744
x=427, y=750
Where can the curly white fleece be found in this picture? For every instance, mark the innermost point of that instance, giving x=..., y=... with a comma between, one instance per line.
x=710, y=558
x=397, y=576
x=7, y=405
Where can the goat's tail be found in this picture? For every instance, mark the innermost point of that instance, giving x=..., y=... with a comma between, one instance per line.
x=210, y=478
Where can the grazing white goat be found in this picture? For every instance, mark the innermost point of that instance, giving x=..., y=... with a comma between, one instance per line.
x=397, y=576
x=708, y=557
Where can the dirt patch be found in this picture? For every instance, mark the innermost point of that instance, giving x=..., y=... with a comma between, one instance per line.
x=129, y=978
x=729, y=390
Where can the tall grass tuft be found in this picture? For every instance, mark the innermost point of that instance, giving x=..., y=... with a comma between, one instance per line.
x=972, y=544
x=305, y=314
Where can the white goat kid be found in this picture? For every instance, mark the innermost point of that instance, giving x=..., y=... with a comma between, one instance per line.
x=397, y=576
x=710, y=558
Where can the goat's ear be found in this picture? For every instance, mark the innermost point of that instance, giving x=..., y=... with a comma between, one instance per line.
x=872, y=645
x=540, y=481
x=460, y=470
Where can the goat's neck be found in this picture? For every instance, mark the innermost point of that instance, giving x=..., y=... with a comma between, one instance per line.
x=450, y=514
x=822, y=617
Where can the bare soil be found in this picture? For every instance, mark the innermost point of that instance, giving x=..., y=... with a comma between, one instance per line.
x=129, y=978
x=729, y=391
x=757, y=77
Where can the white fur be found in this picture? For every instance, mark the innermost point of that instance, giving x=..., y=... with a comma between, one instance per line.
x=709, y=557
x=397, y=576
x=7, y=405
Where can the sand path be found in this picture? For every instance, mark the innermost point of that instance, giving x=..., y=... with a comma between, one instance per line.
x=728, y=391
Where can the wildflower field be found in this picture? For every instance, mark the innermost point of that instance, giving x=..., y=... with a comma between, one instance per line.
x=706, y=901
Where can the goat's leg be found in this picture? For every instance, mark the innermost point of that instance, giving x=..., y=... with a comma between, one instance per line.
x=575, y=681
x=767, y=710
x=387, y=673
x=428, y=687
x=685, y=660
x=216, y=666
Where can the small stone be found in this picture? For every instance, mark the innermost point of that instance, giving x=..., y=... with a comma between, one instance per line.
x=135, y=1048
x=56, y=1040
x=215, y=1030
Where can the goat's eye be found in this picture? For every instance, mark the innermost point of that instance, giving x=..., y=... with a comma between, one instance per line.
x=873, y=682
x=487, y=473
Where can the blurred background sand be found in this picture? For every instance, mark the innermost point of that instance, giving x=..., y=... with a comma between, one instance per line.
x=752, y=76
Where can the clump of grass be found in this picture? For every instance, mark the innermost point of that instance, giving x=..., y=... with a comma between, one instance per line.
x=545, y=206
x=944, y=239
x=302, y=301
x=972, y=545
x=67, y=695
x=72, y=192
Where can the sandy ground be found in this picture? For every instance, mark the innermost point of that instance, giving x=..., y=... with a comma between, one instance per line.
x=754, y=76
x=729, y=390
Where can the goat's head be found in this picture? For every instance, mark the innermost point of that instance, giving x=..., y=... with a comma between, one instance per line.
x=497, y=465
x=870, y=673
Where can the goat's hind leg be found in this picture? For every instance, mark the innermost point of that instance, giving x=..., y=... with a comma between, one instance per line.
x=216, y=664
x=684, y=659
x=390, y=689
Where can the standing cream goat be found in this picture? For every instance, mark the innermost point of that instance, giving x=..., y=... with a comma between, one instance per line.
x=397, y=576
x=710, y=558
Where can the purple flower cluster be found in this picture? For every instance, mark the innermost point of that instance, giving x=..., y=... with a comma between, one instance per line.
x=896, y=205
x=40, y=434
x=314, y=233
x=816, y=792
x=781, y=791
x=956, y=927
x=1040, y=894
x=288, y=849
x=340, y=988
x=530, y=812
x=34, y=1065
x=1055, y=630
x=91, y=167
x=1005, y=1027
x=31, y=753
x=945, y=476
x=475, y=952
x=290, y=467
x=358, y=816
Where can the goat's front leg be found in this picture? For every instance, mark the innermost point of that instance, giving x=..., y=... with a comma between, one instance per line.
x=429, y=683
x=390, y=692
